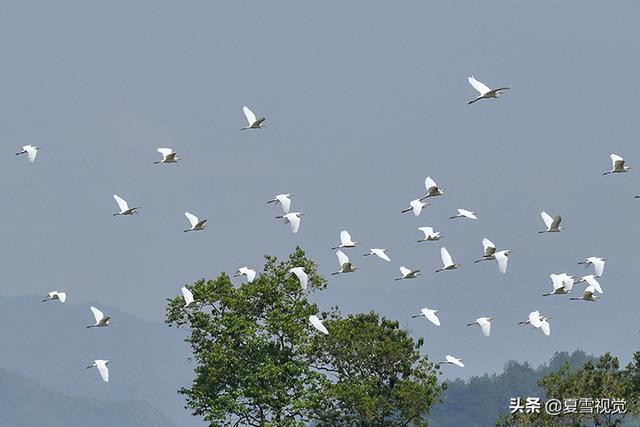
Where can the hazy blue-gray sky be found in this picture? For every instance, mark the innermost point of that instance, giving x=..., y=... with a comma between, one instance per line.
x=363, y=100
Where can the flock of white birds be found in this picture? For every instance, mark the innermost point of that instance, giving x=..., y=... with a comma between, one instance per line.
x=562, y=283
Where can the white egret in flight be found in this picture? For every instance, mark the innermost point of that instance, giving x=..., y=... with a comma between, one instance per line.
x=283, y=200
x=485, y=91
x=101, y=319
x=587, y=295
x=450, y=360
x=246, y=271
x=55, y=295
x=407, y=273
x=553, y=224
x=293, y=219
x=561, y=284
x=196, y=224
x=345, y=241
x=101, y=364
x=430, y=314
x=189, y=301
x=502, y=257
x=254, y=123
x=533, y=320
x=429, y=234
x=463, y=213
x=30, y=150
x=124, y=206
x=597, y=262
x=380, y=253
x=416, y=206
x=317, y=323
x=447, y=261
x=489, y=250
x=432, y=188
x=168, y=156
x=301, y=275
x=591, y=281
x=618, y=165
x=484, y=323
x=345, y=264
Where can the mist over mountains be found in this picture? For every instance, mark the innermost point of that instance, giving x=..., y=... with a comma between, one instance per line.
x=50, y=344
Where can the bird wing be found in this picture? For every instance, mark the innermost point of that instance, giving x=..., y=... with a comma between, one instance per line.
x=485, y=325
x=294, y=223
x=381, y=254
x=588, y=292
x=431, y=316
x=503, y=260
x=617, y=161
x=301, y=275
x=593, y=283
x=557, y=281
x=567, y=281
x=489, y=247
x=103, y=369
x=62, y=296
x=598, y=265
x=429, y=183
x=467, y=213
x=546, y=327
x=188, y=296
x=416, y=205
x=345, y=237
x=285, y=201
x=251, y=274
x=534, y=319
x=122, y=203
x=317, y=323
x=446, y=256
x=478, y=85
x=556, y=221
x=454, y=360
x=426, y=230
x=97, y=314
x=251, y=118
x=342, y=258
x=547, y=219
x=404, y=271
x=31, y=152
x=166, y=152
x=192, y=218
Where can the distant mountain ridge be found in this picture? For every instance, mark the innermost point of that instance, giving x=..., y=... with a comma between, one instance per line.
x=50, y=344
x=23, y=403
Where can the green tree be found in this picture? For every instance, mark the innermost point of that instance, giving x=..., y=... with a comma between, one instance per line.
x=597, y=379
x=249, y=344
x=632, y=384
x=376, y=375
x=258, y=362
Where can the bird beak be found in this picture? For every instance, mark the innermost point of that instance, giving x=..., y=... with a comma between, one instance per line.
x=470, y=324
